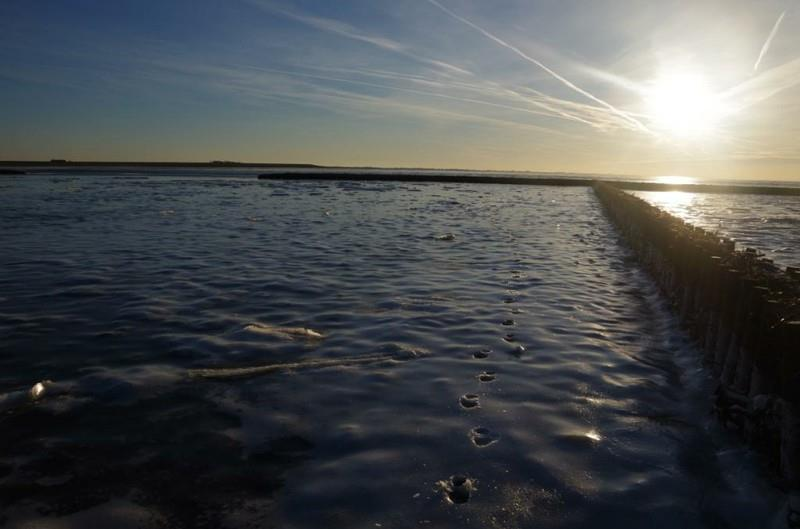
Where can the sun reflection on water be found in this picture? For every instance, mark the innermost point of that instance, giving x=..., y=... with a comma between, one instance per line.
x=675, y=201
x=684, y=204
x=675, y=180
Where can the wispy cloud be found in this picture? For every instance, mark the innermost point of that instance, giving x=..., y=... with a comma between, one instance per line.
x=768, y=42
x=764, y=85
x=257, y=84
x=345, y=30
x=604, y=117
x=427, y=93
x=491, y=93
x=454, y=93
x=566, y=82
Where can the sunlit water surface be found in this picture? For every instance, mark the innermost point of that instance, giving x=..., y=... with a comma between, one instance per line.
x=768, y=223
x=583, y=407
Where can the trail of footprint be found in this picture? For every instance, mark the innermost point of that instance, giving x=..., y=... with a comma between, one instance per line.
x=459, y=488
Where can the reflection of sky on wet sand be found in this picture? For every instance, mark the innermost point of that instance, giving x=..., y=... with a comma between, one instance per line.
x=600, y=421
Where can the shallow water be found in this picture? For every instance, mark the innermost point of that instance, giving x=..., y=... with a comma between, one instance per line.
x=768, y=223
x=515, y=343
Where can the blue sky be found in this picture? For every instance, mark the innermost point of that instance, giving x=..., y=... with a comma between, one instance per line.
x=707, y=88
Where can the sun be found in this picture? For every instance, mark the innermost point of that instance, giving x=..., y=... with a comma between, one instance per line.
x=683, y=106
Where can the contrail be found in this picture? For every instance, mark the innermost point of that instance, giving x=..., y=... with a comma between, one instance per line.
x=530, y=59
x=768, y=43
x=346, y=30
x=594, y=116
x=411, y=91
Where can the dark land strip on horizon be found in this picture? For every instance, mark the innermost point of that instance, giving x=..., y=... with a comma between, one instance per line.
x=546, y=181
x=19, y=164
x=331, y=173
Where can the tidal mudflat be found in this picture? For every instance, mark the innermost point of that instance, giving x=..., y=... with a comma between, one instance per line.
x=232, y=352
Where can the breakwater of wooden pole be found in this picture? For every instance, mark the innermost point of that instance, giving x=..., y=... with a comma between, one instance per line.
x=742, y=310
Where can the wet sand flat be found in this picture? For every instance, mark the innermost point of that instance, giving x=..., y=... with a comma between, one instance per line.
x=517, y=369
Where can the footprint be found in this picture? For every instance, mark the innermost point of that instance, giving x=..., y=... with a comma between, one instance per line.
x=469, y=401
x=482, y=437
x=483, y=353
x=487, y=376
x=458, y=488
x=509, y=323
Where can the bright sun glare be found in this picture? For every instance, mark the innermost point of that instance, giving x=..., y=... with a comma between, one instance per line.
x=683, y=106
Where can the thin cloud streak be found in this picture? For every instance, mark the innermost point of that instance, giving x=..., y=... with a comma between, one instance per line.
x=541, y=65
x=260, y=83
x=418, y=92
x=768, y=42
x=597, y=117
x=548, y=106
x=346, y=30
x=765, y=85
x=447, y=86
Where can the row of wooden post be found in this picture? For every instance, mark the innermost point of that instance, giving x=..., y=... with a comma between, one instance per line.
x=742, y=310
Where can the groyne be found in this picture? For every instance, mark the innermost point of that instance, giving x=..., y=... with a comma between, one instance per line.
x=742, y=310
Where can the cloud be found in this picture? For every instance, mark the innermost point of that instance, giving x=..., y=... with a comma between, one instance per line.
x=416, y=91
x=768, y=42
x=491, y=94
x=345, y=30
x=566, y=82
x=256, y=84
x=764, y=85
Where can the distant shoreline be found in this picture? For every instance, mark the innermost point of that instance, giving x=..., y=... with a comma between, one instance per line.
x=210, y=165
x=545, y=181
x=223, y=164
x=300, y=171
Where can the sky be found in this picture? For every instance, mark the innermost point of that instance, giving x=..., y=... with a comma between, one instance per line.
x=706, y=88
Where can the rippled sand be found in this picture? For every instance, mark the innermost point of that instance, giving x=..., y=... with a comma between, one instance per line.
x=525, y=373
x=768, y=223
